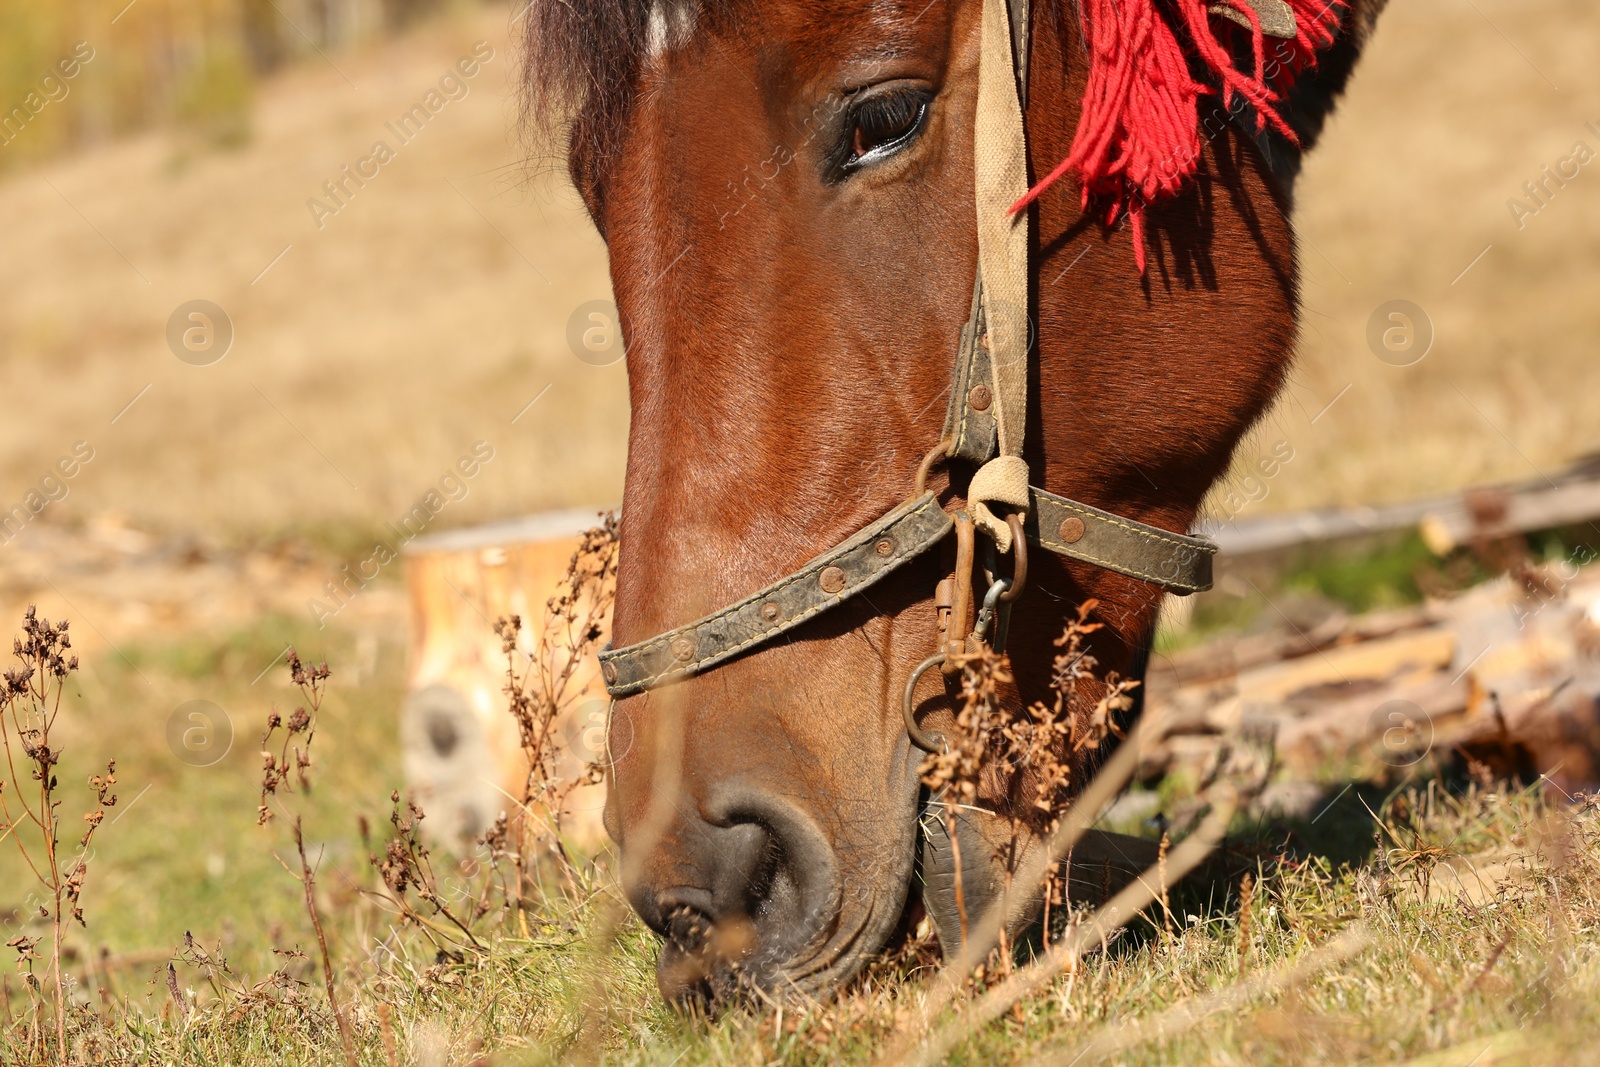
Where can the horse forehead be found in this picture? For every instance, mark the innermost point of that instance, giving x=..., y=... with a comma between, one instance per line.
x=670, y=24
x=813, y=28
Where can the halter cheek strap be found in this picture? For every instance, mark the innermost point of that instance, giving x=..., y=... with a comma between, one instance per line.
x=1000, y=179
x=871, y=555
x=985, y=425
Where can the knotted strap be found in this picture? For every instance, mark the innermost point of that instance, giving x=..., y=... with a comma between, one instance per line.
x=1000, y=176
x=1002, y=480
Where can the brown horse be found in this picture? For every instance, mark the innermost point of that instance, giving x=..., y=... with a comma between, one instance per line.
x=787, y=193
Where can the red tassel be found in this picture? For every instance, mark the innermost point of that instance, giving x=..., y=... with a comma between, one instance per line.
x=1138, y=139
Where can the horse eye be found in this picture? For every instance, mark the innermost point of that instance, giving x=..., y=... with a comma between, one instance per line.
x=884, y=124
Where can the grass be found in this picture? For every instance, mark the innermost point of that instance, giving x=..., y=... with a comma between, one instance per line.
x=195, y=825
x=1515, y=969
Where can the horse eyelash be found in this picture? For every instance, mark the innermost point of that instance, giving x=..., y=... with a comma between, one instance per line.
x=891, y=109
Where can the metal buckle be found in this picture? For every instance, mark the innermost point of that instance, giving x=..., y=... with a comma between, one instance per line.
x=993, y=622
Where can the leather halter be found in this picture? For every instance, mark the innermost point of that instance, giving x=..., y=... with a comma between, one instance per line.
x=982, y=385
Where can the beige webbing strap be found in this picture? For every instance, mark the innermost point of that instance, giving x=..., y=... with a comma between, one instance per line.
x=1000, y=172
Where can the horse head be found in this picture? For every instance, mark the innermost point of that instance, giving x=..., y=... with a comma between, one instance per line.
x=787, y=191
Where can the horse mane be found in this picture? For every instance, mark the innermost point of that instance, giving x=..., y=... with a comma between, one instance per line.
x=581, y=59
x=1313, y=96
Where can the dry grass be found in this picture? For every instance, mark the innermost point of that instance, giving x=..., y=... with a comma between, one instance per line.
x=1448, y=115
x=1467, y=922
x=248, y=911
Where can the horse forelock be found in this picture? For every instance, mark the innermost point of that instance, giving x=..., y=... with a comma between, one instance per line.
x=582, y=58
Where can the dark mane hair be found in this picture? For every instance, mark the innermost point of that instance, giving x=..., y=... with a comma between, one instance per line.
x=1312, y=99
x=581, y=59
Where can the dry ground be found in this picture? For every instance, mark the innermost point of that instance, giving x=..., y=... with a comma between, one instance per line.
x=1456, y=105
x=421, y=318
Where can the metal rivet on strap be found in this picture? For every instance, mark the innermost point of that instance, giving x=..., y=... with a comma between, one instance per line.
x=980, y=398
x=832, y=579
x=1071, y=529
x=770, y=611
x=884, y=547
x=683, y=647
x=608, y=671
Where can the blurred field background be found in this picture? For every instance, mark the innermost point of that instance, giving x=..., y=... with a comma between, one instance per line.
x=421, y=318
x=372, y=355
x=432, y=310
x=1456, y=104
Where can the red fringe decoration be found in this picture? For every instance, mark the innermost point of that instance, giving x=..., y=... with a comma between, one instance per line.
x=1139, y=138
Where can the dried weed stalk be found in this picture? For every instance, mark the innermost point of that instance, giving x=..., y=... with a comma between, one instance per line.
x=406, y=868
x=237, y=999
x=281, y=770
x=292, y=761
x=30, y=700
x=544, y=679
x=1024, y=763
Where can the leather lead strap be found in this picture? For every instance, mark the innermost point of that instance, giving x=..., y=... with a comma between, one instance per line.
x=1000, y=179
x=1021, y=27
x=1177, y=562
x=1275, y=16
x=969, y=422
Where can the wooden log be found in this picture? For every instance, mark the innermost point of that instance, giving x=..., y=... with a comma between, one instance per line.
x=1446, y=522
x=1226, y=658
x=461, y=750
x=1552, y=732
x=1494, y=514
x=1501, y=675
x=1428, y=649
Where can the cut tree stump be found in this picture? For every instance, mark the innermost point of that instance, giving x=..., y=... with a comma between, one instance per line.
x=460, y=743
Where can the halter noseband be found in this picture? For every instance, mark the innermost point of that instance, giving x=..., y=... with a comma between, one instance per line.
x=984, y=425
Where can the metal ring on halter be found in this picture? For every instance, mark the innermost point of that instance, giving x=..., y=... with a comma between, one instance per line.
x=938, y=452
x=926, y=742
x=1019, y=550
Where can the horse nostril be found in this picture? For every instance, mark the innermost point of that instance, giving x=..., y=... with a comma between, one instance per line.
x=754, y=891
x=690, y=930
x=703, y=960
x=750, y=856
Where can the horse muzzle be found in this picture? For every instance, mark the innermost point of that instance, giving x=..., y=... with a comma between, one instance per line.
x=744, y=890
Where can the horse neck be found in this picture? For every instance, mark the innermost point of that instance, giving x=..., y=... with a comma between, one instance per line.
x=1147, y=383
